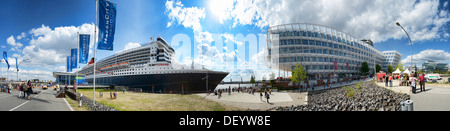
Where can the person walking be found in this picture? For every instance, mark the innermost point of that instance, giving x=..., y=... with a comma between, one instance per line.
x=267, y=96
x=19, y=87
x=413, y=83
x=260, y=95
x=387, y=80
x=422, y=82
x=29, y=89
x=390, y=80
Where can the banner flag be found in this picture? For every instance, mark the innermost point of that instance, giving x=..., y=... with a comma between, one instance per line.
x=73, y=59
x=5, y=56
x=68, y=64
x=107, y=25
x=84, y=48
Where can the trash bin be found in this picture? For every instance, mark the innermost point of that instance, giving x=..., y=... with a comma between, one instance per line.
x=404, y=108
x=407, y=105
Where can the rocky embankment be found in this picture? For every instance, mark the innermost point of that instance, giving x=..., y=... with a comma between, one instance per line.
x=364, y=96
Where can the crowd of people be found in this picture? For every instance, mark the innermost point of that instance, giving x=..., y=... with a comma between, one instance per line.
x=249, y=90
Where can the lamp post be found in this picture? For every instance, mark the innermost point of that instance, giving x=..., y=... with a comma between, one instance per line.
x=18, y=67
x=398, y=24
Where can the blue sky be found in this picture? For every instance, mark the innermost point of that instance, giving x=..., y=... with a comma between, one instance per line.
x=45, y=30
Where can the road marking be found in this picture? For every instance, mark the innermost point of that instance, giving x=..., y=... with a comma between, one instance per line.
x=68, y=104
x=19, y=105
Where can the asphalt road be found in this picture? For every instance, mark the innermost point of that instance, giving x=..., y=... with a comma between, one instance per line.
x=44, y=101
x=433, y=99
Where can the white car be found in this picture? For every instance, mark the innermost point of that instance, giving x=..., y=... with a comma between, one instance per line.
x=433, y=76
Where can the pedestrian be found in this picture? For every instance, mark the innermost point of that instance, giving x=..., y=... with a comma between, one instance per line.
x=260, y=95
x=387, y=80
x=29, y=89
x=123, y=90
x=19, y=87
x=413, y=83
x=422, y=82
x=100, y=94
x=23, y=87
x=267, y=97
x=115, y=95
x=390, y=80
x=110, y=94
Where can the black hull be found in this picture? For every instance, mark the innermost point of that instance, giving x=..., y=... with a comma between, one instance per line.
x=164, y=83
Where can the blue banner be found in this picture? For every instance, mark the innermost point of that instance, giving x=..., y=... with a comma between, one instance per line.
x=73, y=59
x=5, y=56
x=107, y=25
x=68, y=64
x=84, y=48
x=17, y=65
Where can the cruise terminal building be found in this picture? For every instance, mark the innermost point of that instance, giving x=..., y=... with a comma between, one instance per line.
x=322, y=51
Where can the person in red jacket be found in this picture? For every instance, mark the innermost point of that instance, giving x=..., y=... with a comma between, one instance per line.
x=422, y=82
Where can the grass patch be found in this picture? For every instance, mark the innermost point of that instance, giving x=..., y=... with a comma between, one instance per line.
x=133, y=101
x=350, y=91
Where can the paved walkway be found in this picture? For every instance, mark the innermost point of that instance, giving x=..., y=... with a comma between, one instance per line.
x=44, y=101
x=253, y=102
x=435, y=98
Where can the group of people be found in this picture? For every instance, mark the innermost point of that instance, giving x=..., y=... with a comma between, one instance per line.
x=112, y=95
x=249, y=90
x=25, y=89
x=405, y=80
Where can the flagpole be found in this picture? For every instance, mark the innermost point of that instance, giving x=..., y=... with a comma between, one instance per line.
x=95, y=48
x=78, y=54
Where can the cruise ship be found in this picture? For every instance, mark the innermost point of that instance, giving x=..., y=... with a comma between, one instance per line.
x=149, y=68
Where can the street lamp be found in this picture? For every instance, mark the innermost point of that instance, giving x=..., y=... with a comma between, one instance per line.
x=398, y=24
x=18, y=67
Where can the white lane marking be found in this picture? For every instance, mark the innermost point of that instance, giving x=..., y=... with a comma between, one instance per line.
x=68, y=104
x=19, y=105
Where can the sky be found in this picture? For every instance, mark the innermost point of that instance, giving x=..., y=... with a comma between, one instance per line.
x=224, y=35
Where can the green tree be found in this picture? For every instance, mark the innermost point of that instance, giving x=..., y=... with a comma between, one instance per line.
x=364, y=68
x=252, y=79
x=298, y=74
x=399, y=66
x=389, y=69
x=378, y=67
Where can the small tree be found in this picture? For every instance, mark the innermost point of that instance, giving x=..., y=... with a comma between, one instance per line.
x=252, y=79
x=378, y=67
x=399, y=66
x=298, y=74
x=364, y=68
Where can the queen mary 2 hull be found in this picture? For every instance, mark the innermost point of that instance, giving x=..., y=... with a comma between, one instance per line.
x=175, y=81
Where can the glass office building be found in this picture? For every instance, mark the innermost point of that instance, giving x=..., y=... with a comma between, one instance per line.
x=391, y=58
x=322, y=51
x=432, y=66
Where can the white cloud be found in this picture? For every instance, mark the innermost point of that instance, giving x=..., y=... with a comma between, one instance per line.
x=430, y=54
x=131, y=45
x=188, y=17
x=11, y=41
x=50, y=47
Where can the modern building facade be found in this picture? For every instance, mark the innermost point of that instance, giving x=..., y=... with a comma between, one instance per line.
x=391, y=58
x=432, y=66
x=322, y=51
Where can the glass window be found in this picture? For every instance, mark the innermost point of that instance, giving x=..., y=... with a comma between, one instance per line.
x=313, y=51
x=316, y=34
x=311, y=42
x=310, y=34
x=318, y=43
x=319, y=51
x=304, y=33
x=313, y=59
x=305, y=42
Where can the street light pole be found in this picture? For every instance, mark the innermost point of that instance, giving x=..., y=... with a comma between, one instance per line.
x=18, y=67
x=398, y=24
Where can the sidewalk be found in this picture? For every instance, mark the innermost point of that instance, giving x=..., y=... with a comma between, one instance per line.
x=396, y=88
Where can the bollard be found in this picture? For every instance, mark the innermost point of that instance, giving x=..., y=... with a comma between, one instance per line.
x=409, y=105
